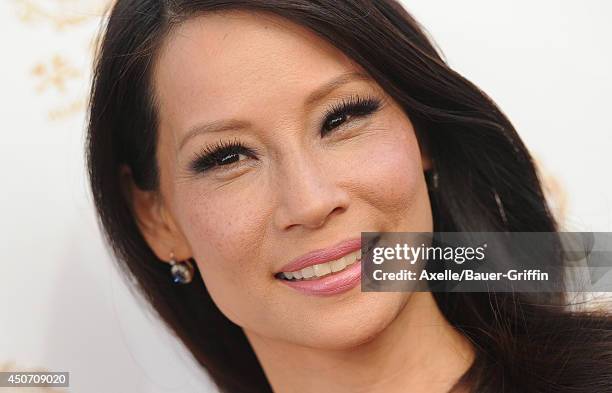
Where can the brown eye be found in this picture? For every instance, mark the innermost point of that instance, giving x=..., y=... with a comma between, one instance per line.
x=228, y=159
x=334, y=122
x=221, y=155
x=340, y=113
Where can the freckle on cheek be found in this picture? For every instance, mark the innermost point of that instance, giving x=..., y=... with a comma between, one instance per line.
x=221, y=233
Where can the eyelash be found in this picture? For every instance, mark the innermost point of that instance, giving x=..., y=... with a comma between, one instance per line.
x=211, y=156
x=354, y=106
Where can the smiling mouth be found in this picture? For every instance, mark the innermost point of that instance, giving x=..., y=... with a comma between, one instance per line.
x=330, y=268
x=319, y=270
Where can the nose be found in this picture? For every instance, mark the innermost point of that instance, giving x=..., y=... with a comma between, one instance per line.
x=309, y=193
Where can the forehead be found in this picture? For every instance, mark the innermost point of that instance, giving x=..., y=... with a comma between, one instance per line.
x=218, y=63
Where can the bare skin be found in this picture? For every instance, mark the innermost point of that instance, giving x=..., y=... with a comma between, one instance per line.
x=302, y=191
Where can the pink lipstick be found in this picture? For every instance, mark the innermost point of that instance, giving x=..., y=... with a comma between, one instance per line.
x=325, y=271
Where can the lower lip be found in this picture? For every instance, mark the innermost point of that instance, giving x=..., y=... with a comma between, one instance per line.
x=331, y=284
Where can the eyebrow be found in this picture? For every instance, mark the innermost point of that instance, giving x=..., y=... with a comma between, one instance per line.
x=236, y=125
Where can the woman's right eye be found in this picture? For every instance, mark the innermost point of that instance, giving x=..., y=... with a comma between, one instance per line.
x=220, y=157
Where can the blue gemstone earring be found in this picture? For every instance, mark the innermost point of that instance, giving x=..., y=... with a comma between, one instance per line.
x=182, y=272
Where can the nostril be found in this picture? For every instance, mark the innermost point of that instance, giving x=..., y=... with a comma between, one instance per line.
x=338, y=209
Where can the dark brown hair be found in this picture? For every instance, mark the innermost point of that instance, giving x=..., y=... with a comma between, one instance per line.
x=486, y=182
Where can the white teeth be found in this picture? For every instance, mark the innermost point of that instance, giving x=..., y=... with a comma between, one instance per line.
x=308, y=272
x=323, y=269
x=338, y=264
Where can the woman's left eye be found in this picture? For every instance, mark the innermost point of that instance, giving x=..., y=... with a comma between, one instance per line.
x=346, y=110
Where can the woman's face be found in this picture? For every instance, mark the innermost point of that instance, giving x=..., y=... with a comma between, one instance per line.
x=303, y=180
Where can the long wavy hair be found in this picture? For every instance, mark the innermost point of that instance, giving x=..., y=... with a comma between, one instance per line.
x=485, y=181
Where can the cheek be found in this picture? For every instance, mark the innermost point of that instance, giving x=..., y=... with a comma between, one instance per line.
x=224, y=232
x=390, y=173
x=222, y=227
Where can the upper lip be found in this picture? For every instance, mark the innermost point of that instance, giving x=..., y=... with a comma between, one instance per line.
x=323, y=255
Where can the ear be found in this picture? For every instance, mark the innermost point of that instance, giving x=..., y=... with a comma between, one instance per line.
x=423, y=143
x=426, y=161
x=154, y=219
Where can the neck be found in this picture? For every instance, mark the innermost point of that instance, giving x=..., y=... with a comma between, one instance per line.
x=419, y=350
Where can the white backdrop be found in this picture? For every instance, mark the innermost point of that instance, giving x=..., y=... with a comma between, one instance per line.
x=65, y=308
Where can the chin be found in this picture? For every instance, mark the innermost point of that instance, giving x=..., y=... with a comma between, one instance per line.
x=350, y=323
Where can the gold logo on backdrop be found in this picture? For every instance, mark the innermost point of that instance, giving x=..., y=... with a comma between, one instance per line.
x=554, y=192
x=58, y=74
x=54, y=73
x=61, y=14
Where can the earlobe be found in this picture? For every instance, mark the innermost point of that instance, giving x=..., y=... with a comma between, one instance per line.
x=426, y=161
x=155, y=223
